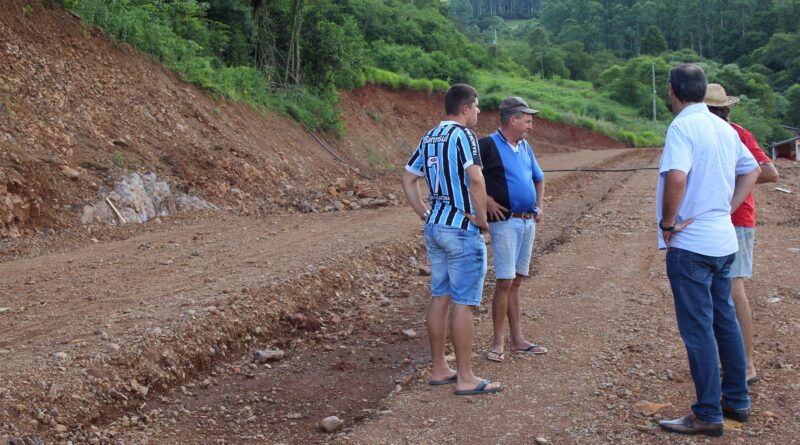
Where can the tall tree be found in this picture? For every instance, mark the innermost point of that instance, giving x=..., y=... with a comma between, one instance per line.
x=793, y=110
x=293, y=60
x=653, y=42
x=461, y=12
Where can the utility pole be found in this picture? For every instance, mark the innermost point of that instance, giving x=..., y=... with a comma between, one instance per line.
x=541, y=63
x=653, y=66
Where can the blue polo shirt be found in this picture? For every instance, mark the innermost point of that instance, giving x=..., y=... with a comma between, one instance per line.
x=510, y=172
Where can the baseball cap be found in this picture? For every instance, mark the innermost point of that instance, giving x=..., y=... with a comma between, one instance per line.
x=514, y=104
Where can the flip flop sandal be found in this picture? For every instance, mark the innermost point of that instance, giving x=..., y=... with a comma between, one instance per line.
x=495, y=356
x=452, y=379
x=532, y=350
x=480, y=389
x=753, y=380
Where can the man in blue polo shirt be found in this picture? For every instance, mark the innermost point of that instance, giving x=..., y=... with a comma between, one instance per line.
x=449, y=160
x=515, y=186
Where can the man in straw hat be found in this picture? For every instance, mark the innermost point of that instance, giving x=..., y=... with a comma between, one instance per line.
x=705, y=172
x=514, y=188
x=744, y=221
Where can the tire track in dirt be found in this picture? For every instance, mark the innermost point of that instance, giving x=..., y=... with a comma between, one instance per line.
x=209, y=289
x=601, y=302
x=568, y=306
x=293, y=406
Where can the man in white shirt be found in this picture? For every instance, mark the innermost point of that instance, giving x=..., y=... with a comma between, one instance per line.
x=706, y=173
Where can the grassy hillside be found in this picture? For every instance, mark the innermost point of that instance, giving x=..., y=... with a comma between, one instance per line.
x=571, y=102
x=293, y=57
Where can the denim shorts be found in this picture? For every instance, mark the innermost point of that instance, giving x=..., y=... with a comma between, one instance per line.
x=458, y=263
x=742, y=266
x=512, y=245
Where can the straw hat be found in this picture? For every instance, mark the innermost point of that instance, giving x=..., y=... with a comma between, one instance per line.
x=716, y=97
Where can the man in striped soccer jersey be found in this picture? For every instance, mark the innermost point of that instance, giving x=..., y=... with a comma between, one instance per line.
x=448, y=158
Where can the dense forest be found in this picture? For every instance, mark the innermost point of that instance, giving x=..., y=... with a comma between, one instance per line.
x=507, y=9
x=584, y=62
x=750, y=46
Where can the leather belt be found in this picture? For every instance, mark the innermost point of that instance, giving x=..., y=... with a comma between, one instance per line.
x=522, y=215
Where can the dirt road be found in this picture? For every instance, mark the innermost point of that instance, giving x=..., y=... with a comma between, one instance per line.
x=149, y=338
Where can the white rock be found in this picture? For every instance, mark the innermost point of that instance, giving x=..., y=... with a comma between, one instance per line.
x=87, y=215
x=541, y=440
x=409, y=334
x=268, y=355
x=774, y=300
x=70, y=172
x=331, y=424
x=60, y=356
x=141, y=389
x=3, y=310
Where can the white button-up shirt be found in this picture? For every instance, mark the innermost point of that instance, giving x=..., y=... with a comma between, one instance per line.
x=709, y=151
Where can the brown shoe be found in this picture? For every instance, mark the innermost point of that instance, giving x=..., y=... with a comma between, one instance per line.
x=690, y=424
x=739, y=415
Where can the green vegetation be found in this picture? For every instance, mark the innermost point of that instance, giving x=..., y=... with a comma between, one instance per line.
x=583, y=62
x=378, y=160
x=573, y=103
x=27, y=10
x=180, y=35
x=119, y=159
x=751, y=47
x=377, y=76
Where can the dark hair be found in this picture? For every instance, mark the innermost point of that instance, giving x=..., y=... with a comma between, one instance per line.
x=688, y=82
x=458, y=95
x=721, y=112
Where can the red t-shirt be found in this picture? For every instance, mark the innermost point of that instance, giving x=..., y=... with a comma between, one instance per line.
x=745, y=215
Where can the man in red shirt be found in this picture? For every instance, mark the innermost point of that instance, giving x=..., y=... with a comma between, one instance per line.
x=744, y=220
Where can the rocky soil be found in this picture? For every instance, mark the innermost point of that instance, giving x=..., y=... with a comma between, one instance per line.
x=288, y=306
x=221, y=329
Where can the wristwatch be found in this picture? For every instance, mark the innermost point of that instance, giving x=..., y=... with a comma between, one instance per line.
x=426, y=215
x=666, y=229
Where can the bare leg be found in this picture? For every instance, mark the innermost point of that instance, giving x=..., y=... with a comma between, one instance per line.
x=514, y=327
x=745, y=321
x=499, y=309
x=462, y=328
x=437, y=335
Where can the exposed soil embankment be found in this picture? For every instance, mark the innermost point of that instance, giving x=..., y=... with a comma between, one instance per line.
x=79, y=111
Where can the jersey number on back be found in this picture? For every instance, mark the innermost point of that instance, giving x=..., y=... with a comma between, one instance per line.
x=433, y=172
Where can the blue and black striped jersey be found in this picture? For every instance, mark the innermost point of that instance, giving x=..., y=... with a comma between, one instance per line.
x=442, y=157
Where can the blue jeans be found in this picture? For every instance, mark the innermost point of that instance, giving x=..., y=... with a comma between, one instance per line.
x=701, y=287
x=458, y=263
